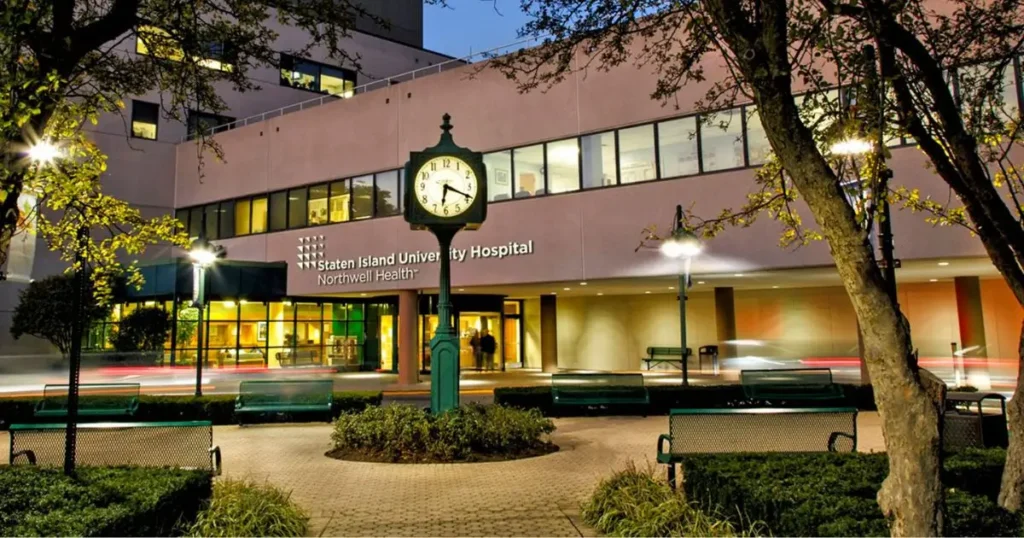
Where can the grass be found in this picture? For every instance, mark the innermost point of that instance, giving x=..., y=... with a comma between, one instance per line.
x=633, y=502
x=246, y=508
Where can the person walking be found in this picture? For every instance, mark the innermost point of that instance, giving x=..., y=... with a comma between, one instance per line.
x=488, y=346
x=474, y=342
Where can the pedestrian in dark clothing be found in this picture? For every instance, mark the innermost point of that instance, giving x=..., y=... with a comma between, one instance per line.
x=488, y=345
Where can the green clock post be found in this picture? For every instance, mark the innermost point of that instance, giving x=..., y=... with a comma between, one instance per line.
x=445, y=192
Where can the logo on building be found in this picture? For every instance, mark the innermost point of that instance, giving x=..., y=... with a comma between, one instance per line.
x=311, y=249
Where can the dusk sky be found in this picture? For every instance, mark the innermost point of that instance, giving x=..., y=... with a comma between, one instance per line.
x=471, y=26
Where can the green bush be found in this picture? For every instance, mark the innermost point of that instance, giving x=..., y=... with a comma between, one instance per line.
x=100, y=501
x=244, y=508
x=145, y=329
x=217, y=408
x=664, y=398
x=831, y=494
x=635, y=503
x=399, y=433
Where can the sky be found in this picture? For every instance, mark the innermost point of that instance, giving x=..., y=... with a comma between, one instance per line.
x=471, y=26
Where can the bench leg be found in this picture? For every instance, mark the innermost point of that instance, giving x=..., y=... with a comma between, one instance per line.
x=672, y=476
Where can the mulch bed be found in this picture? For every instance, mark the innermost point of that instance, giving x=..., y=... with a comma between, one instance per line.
x=359, y=455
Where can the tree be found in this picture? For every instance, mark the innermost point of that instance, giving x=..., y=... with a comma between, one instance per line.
x=44, y=311
x=769, y=47
x=63, y=62
x=145, y=329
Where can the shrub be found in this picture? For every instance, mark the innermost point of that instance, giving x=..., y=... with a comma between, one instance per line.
x=217, y=408
x=829, y=494
x=244, y=508
x=99, y=501
x=399, y=433
x=634, y=503
x=145, y=329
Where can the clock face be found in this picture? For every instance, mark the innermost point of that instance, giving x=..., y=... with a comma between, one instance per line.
x=445, y=186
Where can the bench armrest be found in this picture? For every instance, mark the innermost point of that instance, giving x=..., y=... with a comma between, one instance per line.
x=39, y=405
x=836, y=436
x=133, y=405
x=29, y=455
x=215, y=453
x=661, y=439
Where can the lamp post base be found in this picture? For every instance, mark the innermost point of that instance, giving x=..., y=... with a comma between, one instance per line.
x=444, y=371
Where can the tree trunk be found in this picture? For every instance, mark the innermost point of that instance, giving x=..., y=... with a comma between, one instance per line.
x=1012, y=487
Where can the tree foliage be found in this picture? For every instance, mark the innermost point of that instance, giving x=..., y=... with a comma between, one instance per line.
x=145, y=329
x=45, y=310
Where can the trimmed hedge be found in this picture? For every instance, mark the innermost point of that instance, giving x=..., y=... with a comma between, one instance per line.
x=664, y=398
x=832, y=494
x=217, y=408
x=100, y=501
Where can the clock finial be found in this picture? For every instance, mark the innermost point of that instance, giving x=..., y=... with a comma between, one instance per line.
x=446, y=128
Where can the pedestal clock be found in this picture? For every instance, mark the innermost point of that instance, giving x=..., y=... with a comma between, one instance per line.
x=445, y=192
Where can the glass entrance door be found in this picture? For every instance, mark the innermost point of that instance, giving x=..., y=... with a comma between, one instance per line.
x=480, y=341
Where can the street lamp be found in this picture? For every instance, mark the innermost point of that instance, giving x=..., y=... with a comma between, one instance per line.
x=682, y=244
x=204, y=255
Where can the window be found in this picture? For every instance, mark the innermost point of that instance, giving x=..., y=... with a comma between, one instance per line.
x=317, y=205
x=203, y=121
x=677, y=141
x=182, y=216
x=227, y=220
x=721, y=137
x=156, y=42
x=259, y=215
x=243, y=209
x=599, y=168
x=211, y=213
x=362, y=197
x=340, y=201
x=278, y=211
x=529, y=167
x=499, y=175
x=758, y=147
x=636, y=154
x=145, y=117
x=387, y=193
x=316, y=77
x=563, y=165
x=195, y=222
x=297, y=208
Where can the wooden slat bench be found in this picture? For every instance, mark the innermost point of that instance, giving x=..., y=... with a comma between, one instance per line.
x=285, y=396
x=94, y=400
x=708, y=431
x=599, y=390
x=796, y=384
x=187, y=445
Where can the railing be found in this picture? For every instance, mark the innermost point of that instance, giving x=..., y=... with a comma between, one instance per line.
x=373, y=85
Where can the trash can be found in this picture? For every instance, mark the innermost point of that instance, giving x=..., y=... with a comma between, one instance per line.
x=967, y=424
x=710, y=353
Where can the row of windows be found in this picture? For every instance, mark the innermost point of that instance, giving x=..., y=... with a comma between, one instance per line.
x=316, y=77
x=363, y=197
x=685, y=146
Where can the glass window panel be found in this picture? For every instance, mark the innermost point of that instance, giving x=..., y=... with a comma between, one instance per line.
x=297, y=208
x=182, y=216
x=307, y=311
x=599, y=160
x=339, y=201
x=145, y=118
x=499, y=175
x=222, y=310
x=259, y=215
x=278, y=211
x=722, y=141
x=211, y=212
x=401, y=190
x=337, y=82
x=317, y=205
x=227, y=219
x=758, y=147
x=387, y=193
x=195, y=222
x=362, y=197
x=253, y=310
x=243, y=209
x=636, y=154
x=529, y=166
x=678, y=147
x=252, y=336
x=308, y=332
x=563, y=162
x=299, y=74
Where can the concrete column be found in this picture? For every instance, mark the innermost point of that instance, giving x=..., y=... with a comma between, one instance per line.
x=725, y=321
x=408, y=344
x=548, y=334
x=972, y=331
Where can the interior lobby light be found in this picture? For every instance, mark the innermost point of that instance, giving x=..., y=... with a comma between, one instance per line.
x=671, y=287
x=738, y=274
x=933, y=280
x=700, y=281
x=583, y=283
x=648, y=291
x=943, y=264
x=851, y=146
x=600, y=293
x=565, y=289
x=228, y=304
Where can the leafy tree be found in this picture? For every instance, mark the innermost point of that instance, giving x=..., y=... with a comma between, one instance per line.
x=64, y=62
x=145, y=329
x=188, y=320
x=45, y=311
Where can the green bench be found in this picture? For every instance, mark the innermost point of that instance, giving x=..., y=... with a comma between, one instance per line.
x=796, y=384
x=285, y=396
x=188, y=445
x=710, y=431
x=666, y=355
x=599, y=390
x=94, y=400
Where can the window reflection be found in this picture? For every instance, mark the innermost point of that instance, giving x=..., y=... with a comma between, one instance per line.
x=386, y=190
x=636, y=154
x=678, y=147
x=722, y=141
x=758, y=147
x=278, y=211
x=563, y=166
x=339, y=201
x=362, y=197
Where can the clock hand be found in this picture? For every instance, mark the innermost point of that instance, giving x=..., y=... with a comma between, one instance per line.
x=457, y=191
x=444, y=192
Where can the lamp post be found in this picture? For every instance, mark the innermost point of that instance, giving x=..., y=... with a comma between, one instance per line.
x=203, y=255
x=682, y=244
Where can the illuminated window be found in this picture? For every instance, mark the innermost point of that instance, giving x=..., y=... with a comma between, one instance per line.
x=242, y=212
x=678, y=147
x=316, y=77
x=317, y=204
x=339, y=201
x=145, y=117
x=259, y=215
x=563, y=165
x=636, y=154
x=153, y=41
